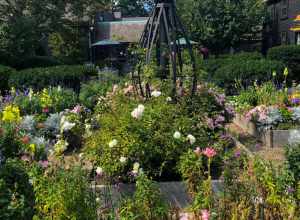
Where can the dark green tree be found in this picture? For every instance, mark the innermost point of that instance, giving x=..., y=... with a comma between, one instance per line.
x=222, y=24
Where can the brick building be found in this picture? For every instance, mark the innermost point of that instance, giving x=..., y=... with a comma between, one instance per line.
x=285, y=22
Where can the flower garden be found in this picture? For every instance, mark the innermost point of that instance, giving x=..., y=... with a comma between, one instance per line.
x=64, y=153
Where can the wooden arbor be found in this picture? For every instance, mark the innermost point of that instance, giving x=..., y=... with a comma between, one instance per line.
x=164, y=30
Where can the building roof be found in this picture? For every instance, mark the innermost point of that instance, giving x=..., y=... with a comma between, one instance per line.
x=124, y=30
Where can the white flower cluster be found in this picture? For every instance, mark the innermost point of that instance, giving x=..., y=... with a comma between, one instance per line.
x=137, y=113
x=65, y=125
x=156, y=93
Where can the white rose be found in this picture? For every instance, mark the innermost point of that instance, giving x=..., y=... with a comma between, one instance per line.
x=156, y=93
x=123, y=159
x=169, y=99
x=136, y=167
x=191, y=139
x=113, y=143
x=177, y=135
x=99, y=171
x=137, y=113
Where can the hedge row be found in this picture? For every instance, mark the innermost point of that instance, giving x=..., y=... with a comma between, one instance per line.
x=243, y=68
x=246, y=72
x=290, y=56
x=39, y=78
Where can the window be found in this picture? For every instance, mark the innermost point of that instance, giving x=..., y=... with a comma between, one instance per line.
x=284, y=37
x=298, y=38
x=284, y=9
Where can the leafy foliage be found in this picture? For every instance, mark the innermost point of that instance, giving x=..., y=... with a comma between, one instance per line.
x=17, y=196
x=146, y=203
x=58, y=200
x=220, y=25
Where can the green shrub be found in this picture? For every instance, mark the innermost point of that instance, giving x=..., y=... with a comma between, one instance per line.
x=246, y=72
x=37, y=61
x=63, y=194
x=39, y=78
x=290, y=56
x=10, y=144
x=150, y=140
x=212, y=65
x=293, y=160
x=16, y=193
x=91, y=91
x=5, y=73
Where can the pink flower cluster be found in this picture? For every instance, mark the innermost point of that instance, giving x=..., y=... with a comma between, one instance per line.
x=208, y=152
x=259, y=112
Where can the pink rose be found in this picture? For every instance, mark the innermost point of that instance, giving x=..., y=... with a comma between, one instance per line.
x=209, y=152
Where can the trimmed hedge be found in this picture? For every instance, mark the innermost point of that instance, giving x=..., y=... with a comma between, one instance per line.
x=39, y=78
x=5, y=73
x=212, y=65
x=290, y=56
x=246, y=72
x=37, y=61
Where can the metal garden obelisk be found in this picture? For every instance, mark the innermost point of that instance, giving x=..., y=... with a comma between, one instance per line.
x=164, y=31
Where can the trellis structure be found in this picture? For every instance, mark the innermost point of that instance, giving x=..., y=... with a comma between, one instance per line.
x=163, y=30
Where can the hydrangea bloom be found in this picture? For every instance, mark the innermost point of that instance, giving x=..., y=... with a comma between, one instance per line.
x=177, y=135
x=191, y=139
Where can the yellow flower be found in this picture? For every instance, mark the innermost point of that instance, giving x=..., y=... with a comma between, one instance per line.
x=11, y=114
x=32, y=148
x=286, y=72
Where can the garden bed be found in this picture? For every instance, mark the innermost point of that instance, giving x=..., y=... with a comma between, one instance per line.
x=270, y=138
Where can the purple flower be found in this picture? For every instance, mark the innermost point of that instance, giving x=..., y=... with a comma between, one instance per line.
x=8, y=98
x=295, y=101
x=258, y=146
x=220, y=99
x=220, y=119
x=237, y=154
x=230, y=110
x=210, y=123
x=26, y=92
x=290, y=190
